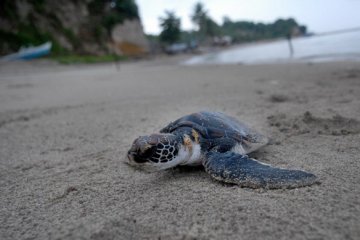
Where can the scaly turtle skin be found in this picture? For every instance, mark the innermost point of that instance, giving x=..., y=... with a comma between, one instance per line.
x=218, y=142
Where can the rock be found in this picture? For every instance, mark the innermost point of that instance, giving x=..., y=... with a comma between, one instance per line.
x=129, y=38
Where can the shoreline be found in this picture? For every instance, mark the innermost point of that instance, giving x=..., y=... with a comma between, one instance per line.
x=317, y=48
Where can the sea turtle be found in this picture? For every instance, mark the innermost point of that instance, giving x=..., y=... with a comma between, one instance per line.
x=218, y=142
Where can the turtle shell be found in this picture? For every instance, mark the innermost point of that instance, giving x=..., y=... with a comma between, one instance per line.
x=218, y=125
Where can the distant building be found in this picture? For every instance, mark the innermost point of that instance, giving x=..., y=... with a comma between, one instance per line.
x=222, y=41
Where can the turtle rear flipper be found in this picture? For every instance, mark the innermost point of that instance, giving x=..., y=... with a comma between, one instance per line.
x=247, y=172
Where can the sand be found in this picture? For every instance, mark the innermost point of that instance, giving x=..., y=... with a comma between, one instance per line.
x=65, y=131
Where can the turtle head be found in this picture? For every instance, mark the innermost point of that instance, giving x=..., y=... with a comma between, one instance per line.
x=154, y=152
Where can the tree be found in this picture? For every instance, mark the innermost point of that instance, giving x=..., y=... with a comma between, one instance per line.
x=199, y=17
x=170, y=25
x=206, y=26
x=245, y=31
x=303, y=29
x=127, y=8
x=112, y=12
x=212, y=28
x=226, y=20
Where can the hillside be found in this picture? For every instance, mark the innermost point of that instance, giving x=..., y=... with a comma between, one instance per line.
x=73, y=26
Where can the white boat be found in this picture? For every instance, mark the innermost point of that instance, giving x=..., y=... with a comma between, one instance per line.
x=29, y=52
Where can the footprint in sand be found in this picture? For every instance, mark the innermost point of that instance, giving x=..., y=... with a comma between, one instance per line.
x=307, y=123
x=278, y=98
x=281, y=98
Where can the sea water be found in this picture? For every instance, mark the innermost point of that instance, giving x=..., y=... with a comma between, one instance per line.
x=317, y=48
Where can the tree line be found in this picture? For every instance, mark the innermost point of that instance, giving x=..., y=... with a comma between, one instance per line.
x=239, y=31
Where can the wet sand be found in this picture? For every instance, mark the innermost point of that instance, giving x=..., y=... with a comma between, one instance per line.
x=64, y=133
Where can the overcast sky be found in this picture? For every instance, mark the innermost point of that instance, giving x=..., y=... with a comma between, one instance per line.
x=318, y=15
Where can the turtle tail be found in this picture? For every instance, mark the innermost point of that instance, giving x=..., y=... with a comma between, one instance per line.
x=239, y=169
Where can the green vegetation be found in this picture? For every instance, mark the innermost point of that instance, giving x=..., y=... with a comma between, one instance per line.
x=170, y=28
x=39, y=5
x=239, y=31
x=125, y=9
x=119, y=11
x=199, y=16
x=96, y=7
x=95, y=29
x=244, y=31
x=206, y=26
x=152, y=37
x=75, y=59
x=212, y=28
x=53, y=20
x=69, y=34
x=8, y=10
x=28, y=35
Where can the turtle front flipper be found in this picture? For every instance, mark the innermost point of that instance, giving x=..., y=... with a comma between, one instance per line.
x=239, y=169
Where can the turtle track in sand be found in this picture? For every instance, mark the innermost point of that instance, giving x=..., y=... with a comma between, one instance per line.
x=308, y=124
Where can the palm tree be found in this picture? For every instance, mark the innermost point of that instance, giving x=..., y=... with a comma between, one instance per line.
x=199, y=17
x=170, y=25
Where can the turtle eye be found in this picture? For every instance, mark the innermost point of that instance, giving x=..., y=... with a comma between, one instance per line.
x=149, y=152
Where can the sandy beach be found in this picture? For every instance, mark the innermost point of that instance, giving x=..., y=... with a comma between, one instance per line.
x=65, y=131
